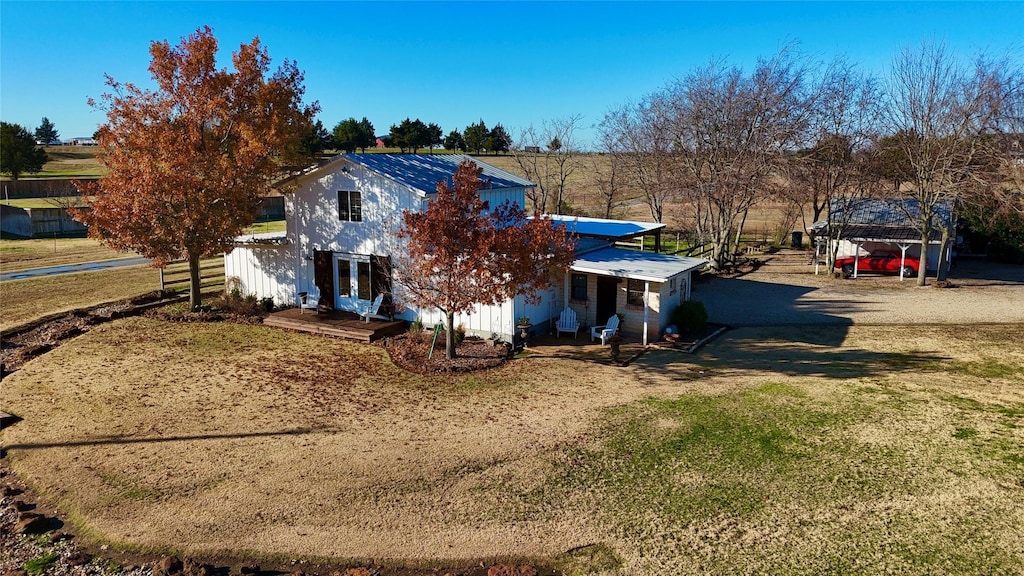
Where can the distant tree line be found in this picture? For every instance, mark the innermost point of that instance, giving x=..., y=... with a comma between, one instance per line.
x=408, y=135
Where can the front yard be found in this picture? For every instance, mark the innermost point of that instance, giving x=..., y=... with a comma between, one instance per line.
x=792, y=450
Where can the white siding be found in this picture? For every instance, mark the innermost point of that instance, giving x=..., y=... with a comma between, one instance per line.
x=264, y=271
x=313, y=223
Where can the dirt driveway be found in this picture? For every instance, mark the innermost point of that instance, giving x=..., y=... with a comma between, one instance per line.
x=785, y=292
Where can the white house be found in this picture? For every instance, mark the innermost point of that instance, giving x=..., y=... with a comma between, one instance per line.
x=341, y=220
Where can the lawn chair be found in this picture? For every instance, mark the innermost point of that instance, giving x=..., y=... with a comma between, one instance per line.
x=308, y=301
x=373, y=309
x=567, y=322
x=605, y=332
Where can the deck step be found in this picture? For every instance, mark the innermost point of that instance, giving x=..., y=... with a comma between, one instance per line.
x=335, y=324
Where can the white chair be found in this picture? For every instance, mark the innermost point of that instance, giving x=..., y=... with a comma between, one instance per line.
x=567, y=323
x=605, y=332
x=373, y=309
x=308, y=301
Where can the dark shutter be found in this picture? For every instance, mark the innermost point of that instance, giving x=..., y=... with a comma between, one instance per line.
x=380, y=272
x=323, y=277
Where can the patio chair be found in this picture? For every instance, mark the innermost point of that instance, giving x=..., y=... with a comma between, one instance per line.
x=308, y=301
x=605, y=332
x=567, y=322
x=373, y=309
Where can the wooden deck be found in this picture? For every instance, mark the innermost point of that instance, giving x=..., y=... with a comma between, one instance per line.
x=334, y=323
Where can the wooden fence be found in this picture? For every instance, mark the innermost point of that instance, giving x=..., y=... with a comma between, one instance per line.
x=211, y=275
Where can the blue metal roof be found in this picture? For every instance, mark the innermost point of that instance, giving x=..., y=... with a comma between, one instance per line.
x=423, y=171
x=602, y=228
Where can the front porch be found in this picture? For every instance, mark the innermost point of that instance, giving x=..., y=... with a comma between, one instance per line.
x=339, y=323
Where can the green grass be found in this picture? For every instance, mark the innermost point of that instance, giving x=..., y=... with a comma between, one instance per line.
x=31, y=203
x=40, y=564
x=718, y=470
x=265, y=226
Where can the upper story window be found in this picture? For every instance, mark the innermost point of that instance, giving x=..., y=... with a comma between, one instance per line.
x=350, y=206
x=579, y=287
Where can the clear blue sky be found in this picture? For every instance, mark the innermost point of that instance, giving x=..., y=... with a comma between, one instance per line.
x=517, y=63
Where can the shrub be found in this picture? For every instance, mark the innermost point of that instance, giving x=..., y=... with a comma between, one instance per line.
x=460, y=334
x=690, y=316
x=416, y=326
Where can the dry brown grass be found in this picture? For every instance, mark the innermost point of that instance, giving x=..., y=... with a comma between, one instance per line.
x=32, y=298
x=212, y=438
x=42, y=252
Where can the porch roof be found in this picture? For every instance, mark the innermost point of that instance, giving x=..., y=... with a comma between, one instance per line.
x=634, y=264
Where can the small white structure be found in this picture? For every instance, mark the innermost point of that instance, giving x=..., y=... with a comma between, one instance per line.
x=871, y=224
x=341, y=220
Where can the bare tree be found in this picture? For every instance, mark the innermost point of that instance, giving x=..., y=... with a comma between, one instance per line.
x=549, y=157
x=843, y=120
x=610, y=182
x=732, y=133
x=639, y=138
x=942, y=108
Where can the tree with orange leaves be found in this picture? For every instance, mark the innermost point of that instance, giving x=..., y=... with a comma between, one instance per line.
x=188, y=163
x=461, y=254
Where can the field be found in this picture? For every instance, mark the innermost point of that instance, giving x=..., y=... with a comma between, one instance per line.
x=213, y=439
x=42, y=252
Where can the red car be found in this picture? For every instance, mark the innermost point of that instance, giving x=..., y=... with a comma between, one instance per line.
x=881, y=261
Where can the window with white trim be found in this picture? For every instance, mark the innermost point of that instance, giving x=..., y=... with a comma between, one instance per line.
x=634, y=292
x=350, y=206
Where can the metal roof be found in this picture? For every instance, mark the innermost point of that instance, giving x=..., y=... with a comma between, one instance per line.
x=423, y=171
x=884, y=220
x=601, y=228
x=634, y=264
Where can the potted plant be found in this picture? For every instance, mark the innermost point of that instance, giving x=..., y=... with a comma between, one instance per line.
x=614, y=342
x=524, y=326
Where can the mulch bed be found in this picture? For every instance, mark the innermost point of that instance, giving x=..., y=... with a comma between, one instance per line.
x=22, y=344
x=412, y=352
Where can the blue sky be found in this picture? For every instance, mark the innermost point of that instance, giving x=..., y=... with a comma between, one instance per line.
x=454, y=63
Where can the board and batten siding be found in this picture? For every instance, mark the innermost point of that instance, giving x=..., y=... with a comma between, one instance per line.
x=263, y=270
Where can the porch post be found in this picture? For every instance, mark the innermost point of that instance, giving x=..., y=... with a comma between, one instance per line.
x=856, y=258
x=565, y=291
x=903, y=258
x=817, y=250
x=647, y=307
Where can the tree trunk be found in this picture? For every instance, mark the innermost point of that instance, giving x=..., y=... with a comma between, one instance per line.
x=449, y=335
x=921, y=274
x=943, y=263
x=195, y=295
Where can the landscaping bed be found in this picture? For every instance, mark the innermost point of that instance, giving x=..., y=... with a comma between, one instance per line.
x=412, y=351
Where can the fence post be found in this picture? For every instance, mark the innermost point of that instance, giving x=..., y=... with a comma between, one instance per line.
x=161, y=279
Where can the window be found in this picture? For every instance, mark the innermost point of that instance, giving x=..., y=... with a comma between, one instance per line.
x=578, y=291
x=350, y=206
x=634, y=292
x=344, y=279
x=363, y=279
x=672, y=286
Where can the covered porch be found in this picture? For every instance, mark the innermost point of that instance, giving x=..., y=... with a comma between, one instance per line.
x=338, y=323
x=644, y=287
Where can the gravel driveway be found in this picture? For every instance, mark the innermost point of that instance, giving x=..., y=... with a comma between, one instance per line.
x=785, y=291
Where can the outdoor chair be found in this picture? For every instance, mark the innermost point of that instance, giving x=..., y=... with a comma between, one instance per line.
x=308, y=302
x=567, y=322
x=605, y=332
x=372, y=311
